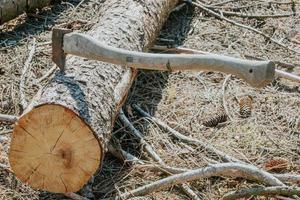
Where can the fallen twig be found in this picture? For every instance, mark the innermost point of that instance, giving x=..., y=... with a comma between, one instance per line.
x=117, y=151
x=238, y=14
x=5, y=132
x=259, y=191
x=224, y=97
x=5, y=167
x=152, y=153
x=146, y=146
x=8, y=118
x=292, y=178
x=75, y=196
x=225, y=169
x=189, y=140
x=48, y=73
x=222, y=3
x=23, y=100
x=222, y=17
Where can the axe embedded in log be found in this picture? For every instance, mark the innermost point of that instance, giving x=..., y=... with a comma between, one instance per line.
x=256, y=73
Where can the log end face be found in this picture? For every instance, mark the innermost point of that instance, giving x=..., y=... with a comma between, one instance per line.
x=53, y=149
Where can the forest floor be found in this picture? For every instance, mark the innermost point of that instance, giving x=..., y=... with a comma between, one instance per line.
x=183, y=100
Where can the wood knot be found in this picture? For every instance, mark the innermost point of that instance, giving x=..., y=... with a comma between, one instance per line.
x=66, y=155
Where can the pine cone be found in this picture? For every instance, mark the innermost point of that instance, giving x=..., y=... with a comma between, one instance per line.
x=215, y=120
x=246, y=106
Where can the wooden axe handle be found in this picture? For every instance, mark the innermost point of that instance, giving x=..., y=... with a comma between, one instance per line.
x=256, y=73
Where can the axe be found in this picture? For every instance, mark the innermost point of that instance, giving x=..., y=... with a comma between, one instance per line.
x=256, y=73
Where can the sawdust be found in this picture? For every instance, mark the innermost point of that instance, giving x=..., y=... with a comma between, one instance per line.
x=181, y=99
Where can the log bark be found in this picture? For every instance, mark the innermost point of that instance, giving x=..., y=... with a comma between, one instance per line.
x=60, y=140
x=9, y=9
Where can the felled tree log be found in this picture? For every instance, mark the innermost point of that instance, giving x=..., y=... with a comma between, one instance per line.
x=60, y=140
x=9, y=9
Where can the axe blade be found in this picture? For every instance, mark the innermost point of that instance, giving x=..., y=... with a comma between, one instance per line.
x=58, y=54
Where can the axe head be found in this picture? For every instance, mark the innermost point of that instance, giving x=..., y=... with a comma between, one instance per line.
x=58, y=54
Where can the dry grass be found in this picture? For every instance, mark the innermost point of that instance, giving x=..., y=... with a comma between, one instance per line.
x=182, y=99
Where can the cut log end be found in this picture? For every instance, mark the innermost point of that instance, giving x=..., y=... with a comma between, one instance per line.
x=53, y=149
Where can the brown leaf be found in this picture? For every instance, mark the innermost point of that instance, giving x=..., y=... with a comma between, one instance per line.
x=277, y=164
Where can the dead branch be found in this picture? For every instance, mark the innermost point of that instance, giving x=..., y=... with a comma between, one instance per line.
x=225, y=169
x=238, y=14
x=8, y=118
x=224, y=97
x=6, y=168
x=48, y=73
x=179, y=136
x=262, y=191
x=222, y=3
x=148, y=148
x=275, y=2
x=5, y=131
x=75, y=196
x=293, y=178
x=117, y=151
x=220, y=16
x=27, y=64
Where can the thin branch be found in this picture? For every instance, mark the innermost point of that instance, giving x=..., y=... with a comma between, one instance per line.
x=225, y=169
x=275, y=2
x=75, y=196
x=262, y=191
x=6, y=168
x=179, y=136
x=220, y=16
x=48, y=73
x=242, y=15
x=8, y=118
x=5, y=131
x=117, y=151
x=175, y=170
x=148, y=148
x=224, y=96
x=23, y=101
x=179, y=7
x=222, y=3
x=292, y=178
